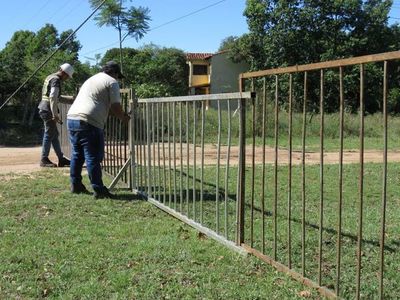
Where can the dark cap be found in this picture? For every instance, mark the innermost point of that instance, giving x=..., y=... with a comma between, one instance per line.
x=112, y=67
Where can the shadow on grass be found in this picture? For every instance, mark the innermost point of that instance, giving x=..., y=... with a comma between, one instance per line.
x=123, y=194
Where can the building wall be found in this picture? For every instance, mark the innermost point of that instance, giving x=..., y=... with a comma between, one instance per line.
x=225, y=74
x=198, y=80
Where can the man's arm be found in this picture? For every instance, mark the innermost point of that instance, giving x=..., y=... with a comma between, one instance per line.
x=66, y=99
x=53, y=97
x=117, y=111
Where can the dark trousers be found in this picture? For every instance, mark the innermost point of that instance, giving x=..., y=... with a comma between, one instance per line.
x=87, y=145
x=50, y=135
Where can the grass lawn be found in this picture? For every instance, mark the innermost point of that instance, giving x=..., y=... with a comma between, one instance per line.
x=221, y=217
x=57, y=245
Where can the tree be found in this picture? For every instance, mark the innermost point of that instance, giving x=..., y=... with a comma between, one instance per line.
x=154, y=71
x=294, y=32
x=22, y=56
x=130, y=21
x=227, y=43
x=305, y=31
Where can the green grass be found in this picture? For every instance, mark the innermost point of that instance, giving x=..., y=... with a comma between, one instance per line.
x=373, y=131
x=206, y=212
x=60, y=246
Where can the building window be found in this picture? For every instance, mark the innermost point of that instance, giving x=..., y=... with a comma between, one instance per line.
x=200, y=70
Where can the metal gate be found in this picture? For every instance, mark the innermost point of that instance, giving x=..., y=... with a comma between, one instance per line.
x=186, y=159
x=325, y=223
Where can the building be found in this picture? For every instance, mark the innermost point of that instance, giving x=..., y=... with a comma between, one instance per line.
x=213, y=73
x=199, y=73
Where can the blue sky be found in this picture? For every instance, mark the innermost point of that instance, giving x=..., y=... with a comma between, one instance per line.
x=190, y=25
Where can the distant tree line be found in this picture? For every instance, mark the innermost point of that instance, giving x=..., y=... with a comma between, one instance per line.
x=151, y=71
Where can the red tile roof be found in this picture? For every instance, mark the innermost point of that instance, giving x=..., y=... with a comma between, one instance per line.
x=191, y=56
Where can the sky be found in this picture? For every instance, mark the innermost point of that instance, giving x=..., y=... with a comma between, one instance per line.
x=189, y=25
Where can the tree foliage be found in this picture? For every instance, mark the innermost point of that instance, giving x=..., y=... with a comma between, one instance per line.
x=153, y=71
x=23, y=54
x=128, y=21
x=294, y=32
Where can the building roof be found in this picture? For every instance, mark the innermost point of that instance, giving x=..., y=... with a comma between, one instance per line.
x=192, y=56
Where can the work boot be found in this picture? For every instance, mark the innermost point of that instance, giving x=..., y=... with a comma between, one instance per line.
x=104, y=193
x=79, y=188
x=47, y=163
x=64, y=162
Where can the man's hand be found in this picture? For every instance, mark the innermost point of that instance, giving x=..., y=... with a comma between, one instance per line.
x=125, y=119
x=117, y=111
x=57, y=119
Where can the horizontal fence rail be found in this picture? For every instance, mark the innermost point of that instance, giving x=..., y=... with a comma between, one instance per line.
x=312, y=212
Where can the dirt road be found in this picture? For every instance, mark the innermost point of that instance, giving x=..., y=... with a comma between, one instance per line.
x=26, y=159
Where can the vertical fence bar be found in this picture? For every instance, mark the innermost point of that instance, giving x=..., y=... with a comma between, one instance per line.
x=289, y=199
x=148, y=130
x=361, y=185
x=187, y=159
x=218, y=169
x=263, y=129
x=118, y=128
x=242, y=166
x=228, y=155
x=194, y=159
x=384, y=185
x=126, y=130
x=116, y=145
x=181, y=158
x=303, y=179
x=144, y=148
x=163, y=153
x=321, y=204
x=137, y=145
x=140, y=139
x=174, y=149
x=158, y=150
x=253, y=169
x=202, y=160
x=113, y=161
x=276, y=168
x=169, y=153
x=153, y=141
x=340, y=204
x=106, y=158
x=132, y=143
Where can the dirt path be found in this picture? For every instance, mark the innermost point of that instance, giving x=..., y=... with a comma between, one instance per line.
x=26, y=159
x=21, y=159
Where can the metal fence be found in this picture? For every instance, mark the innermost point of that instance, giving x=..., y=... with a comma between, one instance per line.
x=324, y=223
x=248, y=174
x=186, y=159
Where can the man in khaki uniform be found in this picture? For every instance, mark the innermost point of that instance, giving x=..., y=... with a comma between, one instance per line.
x=48, y=112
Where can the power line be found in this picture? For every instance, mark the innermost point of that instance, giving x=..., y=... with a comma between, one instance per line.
x=162, y=25
x=59, y=10
x=187, y=15
x=52, y=54
x=60, y=21
x=36, y=13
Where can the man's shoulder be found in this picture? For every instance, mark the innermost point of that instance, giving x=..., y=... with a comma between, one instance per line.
x=103, y=79
x=53, y=80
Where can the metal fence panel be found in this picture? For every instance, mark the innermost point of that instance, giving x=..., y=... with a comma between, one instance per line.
x=323, y=224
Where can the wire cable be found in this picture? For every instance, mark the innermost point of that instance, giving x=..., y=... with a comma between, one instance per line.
x=51, y=55
x=161, y=25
